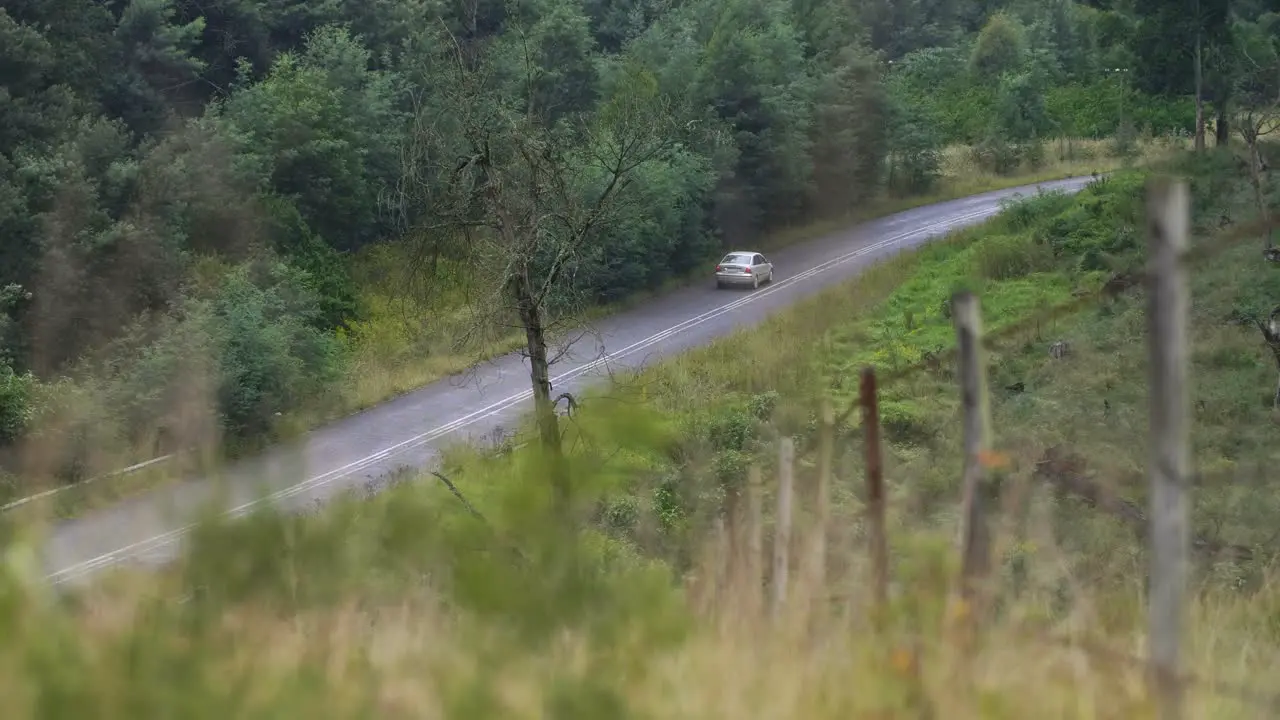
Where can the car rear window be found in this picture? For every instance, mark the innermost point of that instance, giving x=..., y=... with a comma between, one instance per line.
x=737, y=259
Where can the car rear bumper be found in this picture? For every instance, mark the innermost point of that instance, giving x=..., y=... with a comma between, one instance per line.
x=734, y=278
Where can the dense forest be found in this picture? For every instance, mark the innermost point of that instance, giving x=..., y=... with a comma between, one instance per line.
x=182, y=183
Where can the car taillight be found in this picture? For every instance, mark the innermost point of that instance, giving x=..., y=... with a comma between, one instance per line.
x=746, y=270
x=718, y=268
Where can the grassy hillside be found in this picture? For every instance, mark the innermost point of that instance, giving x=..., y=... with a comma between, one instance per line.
x=409, y=605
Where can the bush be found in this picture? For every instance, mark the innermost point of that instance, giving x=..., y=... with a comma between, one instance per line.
x=916, y=170
x=905, y=423
x=1103, y=221
x=996, y=155
x=1125, y=142
x=272, y=354
x=915, y=148
x=763, y=404
x=731, y=428
x=328, y=276
x=15, y=402
x=1023, y=213
x=656, y=233
x=1005, y=257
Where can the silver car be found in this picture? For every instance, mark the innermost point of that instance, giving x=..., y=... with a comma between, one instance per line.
x=742, y=267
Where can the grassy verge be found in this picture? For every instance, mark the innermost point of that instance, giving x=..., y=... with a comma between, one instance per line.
x=288, y=631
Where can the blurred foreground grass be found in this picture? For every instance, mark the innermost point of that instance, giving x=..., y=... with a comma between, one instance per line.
x=407, y=606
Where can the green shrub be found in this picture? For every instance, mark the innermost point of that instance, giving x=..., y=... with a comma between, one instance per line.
x=157, y=368
x=1124, y=143
x=1025, y=212
x=621, y=514
x=915, y=147
x=15, y=402
x=906, y=423
x=654, y=235
x=731, y=428
x=763, y=404
x=1103, y=221
x=997, y=155
x=273, y=357
x=1005, y=257
x=731, y=467
x=328, y=275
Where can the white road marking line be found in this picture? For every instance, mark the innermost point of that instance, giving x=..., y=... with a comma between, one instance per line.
x=167, y=538
x=115, y=473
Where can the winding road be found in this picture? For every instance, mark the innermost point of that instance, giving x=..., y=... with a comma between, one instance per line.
x=411, y=429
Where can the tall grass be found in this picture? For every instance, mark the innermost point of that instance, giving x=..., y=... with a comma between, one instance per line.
x=406, y=606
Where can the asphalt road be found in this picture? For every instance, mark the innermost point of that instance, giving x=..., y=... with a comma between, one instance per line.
x=410, y=430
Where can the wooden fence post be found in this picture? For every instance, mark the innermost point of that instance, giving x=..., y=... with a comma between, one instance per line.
x=879, y=545
x=974, y=536
x=816, y=579
x=1168, y=221
x=755, y=542
x=782, y=533
x=721, y=563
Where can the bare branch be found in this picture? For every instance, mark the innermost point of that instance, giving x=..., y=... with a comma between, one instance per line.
x=572, y=403
x=458, y=494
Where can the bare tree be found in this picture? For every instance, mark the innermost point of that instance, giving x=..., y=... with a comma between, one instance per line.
x=524, y=196
x=1257, y=107
x=1198, y=60
x=1254, y=124
x=1257, y=116
x=1270, y=329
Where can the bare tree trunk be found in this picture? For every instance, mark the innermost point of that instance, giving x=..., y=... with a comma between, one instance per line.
x=1271, y=335
x=531, y=318
x=1257, y=179
x=1222, y=125
x=1199, y=96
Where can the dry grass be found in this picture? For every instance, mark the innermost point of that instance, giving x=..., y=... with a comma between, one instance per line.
x=127, y=651
x=418, y=328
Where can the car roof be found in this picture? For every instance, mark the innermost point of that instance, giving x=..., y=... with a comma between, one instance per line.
x=741, y=252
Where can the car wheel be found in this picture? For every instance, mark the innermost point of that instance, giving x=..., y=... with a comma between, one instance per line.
x=719, y=285
x=755, y=282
